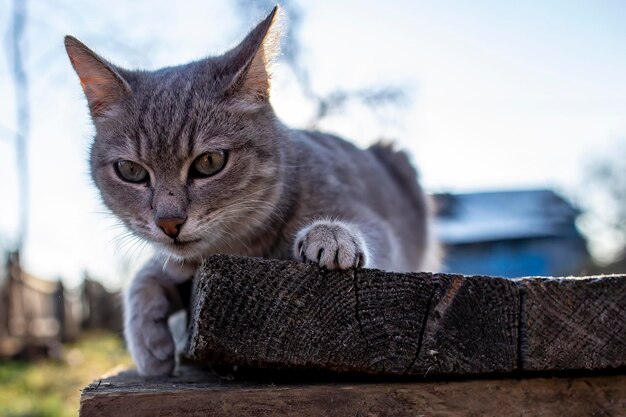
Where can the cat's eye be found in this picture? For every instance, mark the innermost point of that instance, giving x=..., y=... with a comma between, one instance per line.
x=130, y=171
x=207, y=164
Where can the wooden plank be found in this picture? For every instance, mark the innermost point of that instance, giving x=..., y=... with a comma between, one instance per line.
x=194, y=393
x=285, y=314
x=472, y=327
x=278, y=314
x=288, y=314
x=575, y=323
x=262, y=299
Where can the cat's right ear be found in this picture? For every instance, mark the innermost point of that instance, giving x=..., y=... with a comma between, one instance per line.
x=102, y=84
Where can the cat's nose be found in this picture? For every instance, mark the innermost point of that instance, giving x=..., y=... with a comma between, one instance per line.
x=171, y=225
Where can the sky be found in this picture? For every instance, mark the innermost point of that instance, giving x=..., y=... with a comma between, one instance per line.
x=501, y=95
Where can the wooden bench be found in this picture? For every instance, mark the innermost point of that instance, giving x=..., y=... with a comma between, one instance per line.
x=412, y=344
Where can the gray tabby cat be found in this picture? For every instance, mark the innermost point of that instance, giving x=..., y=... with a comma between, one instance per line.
x=192, y=159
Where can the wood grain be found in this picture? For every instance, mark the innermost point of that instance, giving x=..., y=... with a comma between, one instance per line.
x=576, y=323
x=282, y=314
x=472, y=327
x=193, y=393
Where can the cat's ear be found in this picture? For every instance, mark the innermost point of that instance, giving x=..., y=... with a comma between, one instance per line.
x=101, y=82
x=251, y=60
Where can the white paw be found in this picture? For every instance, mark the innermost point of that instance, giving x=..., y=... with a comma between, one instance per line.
x=147, y=333
x=331, y=244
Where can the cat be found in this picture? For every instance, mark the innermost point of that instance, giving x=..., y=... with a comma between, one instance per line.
x=192, y=159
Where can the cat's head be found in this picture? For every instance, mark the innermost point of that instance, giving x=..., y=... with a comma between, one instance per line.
x=187, y=157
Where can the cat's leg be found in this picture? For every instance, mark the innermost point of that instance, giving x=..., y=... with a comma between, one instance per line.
x=148, y=303
x=332, y=244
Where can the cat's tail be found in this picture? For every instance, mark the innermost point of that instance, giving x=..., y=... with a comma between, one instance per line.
x=398, y=164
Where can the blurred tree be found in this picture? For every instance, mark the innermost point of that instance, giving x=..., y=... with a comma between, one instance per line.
x=333, y=102
x=33, y=45
x=15, y=52
x=604, y=199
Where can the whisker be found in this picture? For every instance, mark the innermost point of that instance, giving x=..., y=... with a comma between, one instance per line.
x=247, y=196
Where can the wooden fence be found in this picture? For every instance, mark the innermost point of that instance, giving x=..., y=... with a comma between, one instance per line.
x=37, y=316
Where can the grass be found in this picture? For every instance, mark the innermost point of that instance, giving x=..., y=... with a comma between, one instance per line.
x=51, y=388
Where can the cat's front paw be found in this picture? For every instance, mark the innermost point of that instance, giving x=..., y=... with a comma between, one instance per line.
x=147, y=333
x=331, y=244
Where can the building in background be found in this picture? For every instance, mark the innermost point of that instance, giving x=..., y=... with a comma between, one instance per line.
x=510, y=234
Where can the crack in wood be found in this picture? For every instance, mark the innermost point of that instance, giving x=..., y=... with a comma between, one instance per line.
x=420, y=338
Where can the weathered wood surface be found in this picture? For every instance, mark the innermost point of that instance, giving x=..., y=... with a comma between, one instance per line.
x=292, y=315
x=574, y=323
x=197, y=394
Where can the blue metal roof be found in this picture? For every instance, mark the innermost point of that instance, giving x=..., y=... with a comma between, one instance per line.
x=503, y=215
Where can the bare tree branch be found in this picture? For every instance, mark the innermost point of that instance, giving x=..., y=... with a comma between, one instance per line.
x=372, y=97
x=331, y=103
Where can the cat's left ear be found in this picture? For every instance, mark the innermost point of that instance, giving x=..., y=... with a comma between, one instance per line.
x=251, y=60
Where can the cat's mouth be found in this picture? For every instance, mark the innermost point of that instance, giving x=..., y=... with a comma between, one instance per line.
x=181, y=244
x=181, y=249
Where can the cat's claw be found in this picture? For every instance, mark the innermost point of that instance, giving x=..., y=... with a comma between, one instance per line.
x=331, y=244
